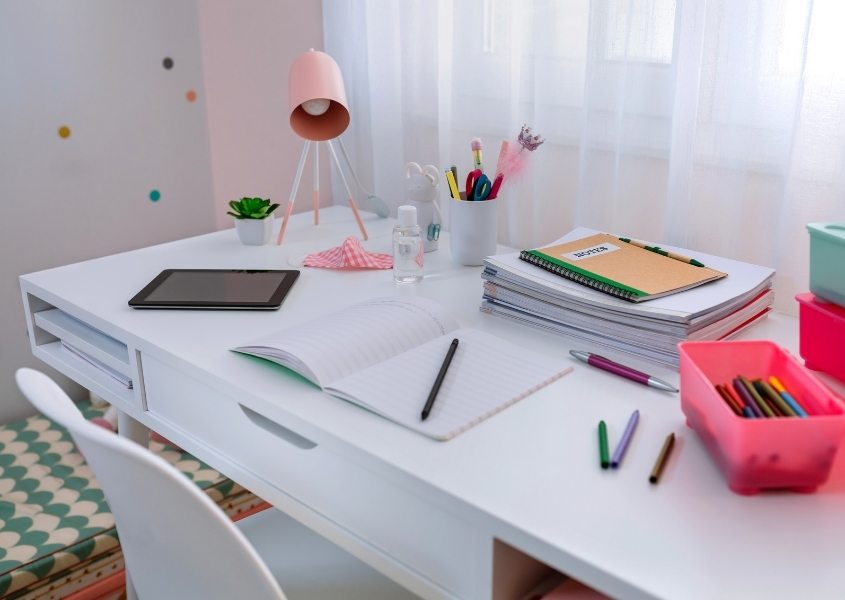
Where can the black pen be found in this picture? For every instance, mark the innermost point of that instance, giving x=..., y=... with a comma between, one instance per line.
x=439, y=381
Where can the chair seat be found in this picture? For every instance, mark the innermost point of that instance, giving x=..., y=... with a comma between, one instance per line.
x=308, y=566
x=57, y=534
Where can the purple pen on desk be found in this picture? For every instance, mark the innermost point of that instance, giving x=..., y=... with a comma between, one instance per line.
x=606, y=364
x=619, y=453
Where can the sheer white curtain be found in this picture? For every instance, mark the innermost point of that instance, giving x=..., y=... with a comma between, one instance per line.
x=711, y=124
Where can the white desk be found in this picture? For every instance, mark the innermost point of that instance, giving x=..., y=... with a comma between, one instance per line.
x=427, y=513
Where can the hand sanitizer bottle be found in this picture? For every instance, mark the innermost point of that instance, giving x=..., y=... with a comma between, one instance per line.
x=407, y=247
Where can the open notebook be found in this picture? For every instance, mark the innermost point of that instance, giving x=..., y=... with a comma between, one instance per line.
x=384, y=355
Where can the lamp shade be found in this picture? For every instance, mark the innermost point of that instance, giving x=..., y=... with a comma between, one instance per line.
x=314, y=75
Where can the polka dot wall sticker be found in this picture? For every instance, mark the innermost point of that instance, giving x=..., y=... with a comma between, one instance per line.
x=155, y=195
x=191, y=95
x=64, y=132
x=167, y=63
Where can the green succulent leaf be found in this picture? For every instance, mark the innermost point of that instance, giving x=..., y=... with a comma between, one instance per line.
x=251, y=208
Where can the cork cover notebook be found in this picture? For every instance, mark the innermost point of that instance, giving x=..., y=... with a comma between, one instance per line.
x=619, y=268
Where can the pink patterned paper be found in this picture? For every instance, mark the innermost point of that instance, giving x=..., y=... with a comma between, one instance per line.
x=349, y=255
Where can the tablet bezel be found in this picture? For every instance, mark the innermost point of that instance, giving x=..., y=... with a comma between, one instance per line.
x=274, y=303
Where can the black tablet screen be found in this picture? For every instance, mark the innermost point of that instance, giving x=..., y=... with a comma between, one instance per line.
x=178, y=288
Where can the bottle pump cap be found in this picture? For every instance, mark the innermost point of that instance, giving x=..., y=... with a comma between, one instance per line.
x=407, y=215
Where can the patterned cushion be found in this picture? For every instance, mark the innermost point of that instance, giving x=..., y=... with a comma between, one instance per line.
x=54, y=520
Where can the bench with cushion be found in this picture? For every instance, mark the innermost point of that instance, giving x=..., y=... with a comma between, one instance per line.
x=57, y=535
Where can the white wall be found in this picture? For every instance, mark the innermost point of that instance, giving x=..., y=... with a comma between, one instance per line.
x=247, y=49
x=95, y=66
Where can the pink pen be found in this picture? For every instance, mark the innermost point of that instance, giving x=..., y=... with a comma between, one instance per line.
x=606, y=364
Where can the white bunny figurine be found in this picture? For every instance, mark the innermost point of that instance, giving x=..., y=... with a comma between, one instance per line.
x=422, y=191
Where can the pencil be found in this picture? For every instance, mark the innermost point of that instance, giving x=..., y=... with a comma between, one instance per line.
x=762, y=404
x=769, y=392
x=662, y=458
x=736, y=408
x=604, y=454
x=787, y=397
x=741, y=390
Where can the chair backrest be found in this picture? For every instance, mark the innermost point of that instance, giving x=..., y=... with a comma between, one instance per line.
x=176, y=542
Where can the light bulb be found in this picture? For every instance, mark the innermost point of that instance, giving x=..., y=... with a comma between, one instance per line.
x=316, y=107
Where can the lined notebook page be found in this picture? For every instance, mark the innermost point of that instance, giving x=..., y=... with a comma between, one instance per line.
x=329, y=348
x=487, y=374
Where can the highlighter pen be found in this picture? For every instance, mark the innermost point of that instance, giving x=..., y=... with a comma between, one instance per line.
x=606, y=364
x=453, y=185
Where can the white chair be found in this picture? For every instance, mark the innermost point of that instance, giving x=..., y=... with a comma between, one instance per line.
x=178, y=544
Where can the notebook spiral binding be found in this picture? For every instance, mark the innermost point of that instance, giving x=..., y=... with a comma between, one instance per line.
x=577, y=277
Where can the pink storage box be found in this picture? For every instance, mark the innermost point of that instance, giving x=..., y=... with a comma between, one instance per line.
x=757, y=454
x=822, y=335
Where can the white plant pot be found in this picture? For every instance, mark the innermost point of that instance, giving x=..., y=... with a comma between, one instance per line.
x=254, y=232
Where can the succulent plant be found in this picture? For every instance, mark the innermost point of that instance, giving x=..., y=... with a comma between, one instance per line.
x=251, y=208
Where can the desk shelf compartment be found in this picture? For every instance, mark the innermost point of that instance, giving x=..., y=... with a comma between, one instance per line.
x=518, y=576
x=368, y=509
x=84, y=353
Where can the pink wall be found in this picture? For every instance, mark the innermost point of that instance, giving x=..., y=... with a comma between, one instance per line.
x=247, y=48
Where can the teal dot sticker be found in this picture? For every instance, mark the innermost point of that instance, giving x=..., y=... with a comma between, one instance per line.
x=155, y=195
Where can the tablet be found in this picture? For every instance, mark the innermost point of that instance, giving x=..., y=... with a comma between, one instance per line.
x=216, y=289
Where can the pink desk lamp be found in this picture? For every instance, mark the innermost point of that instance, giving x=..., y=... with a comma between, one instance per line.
x=318, y=113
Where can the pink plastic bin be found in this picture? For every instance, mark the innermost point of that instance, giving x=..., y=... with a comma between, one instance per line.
x=822, y=335
x=757, y=454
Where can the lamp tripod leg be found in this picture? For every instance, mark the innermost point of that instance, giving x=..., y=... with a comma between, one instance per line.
x=293, y=191
x=348, y=192
x=315, y=197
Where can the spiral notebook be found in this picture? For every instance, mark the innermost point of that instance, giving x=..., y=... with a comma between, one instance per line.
x=620, y=268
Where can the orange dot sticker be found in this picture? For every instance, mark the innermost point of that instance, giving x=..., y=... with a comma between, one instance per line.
x=64, y=131
x=191, y=95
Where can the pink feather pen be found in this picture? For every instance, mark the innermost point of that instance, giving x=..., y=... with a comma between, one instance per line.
x=512, y=161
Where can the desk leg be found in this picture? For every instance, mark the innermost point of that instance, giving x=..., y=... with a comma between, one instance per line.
x=140, y=434
x=134, y=430
x=131, y=594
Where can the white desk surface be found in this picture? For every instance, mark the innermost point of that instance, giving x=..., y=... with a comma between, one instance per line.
x=530, y=473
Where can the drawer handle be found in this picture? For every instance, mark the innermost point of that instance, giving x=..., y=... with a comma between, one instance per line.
x=279, y=431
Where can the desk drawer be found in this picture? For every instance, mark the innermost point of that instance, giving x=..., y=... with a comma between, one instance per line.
x=424, y=538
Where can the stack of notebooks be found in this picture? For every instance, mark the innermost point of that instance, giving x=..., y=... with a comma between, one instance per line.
x=625, y=295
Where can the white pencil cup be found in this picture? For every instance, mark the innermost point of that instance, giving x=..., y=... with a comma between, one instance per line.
x=473, y=228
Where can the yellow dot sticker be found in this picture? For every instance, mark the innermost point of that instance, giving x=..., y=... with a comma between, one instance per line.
x=64, y=131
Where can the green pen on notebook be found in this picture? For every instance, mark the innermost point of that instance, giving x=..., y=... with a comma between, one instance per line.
x=604, y=453
x=661, y=251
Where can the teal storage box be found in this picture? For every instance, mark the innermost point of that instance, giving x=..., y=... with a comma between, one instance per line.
x=827, y=261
